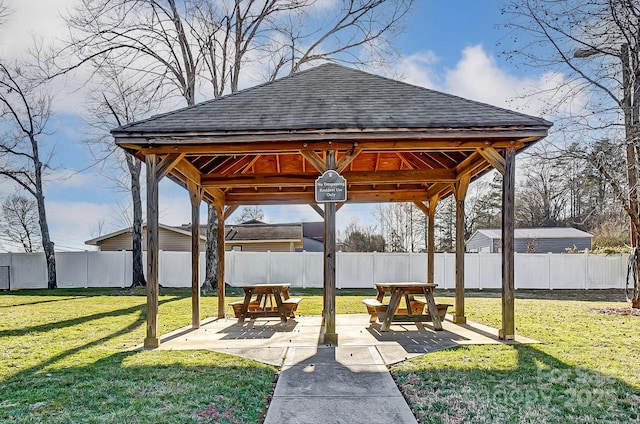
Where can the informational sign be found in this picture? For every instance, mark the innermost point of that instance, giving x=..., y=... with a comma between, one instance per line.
x=331, y=187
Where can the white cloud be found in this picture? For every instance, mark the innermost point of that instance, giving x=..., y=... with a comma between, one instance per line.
x=477, y=76
x=418, y=69
x=32, y=18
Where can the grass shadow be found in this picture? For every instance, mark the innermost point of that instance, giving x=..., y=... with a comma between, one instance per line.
x=528, y=385
x=142, y=387
x=79, y=320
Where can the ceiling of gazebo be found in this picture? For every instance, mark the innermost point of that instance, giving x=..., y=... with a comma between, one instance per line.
x=393, y=141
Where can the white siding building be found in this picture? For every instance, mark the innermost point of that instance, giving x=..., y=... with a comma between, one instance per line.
x=531, y=240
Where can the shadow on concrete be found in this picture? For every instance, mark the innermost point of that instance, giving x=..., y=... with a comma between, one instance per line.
x=257, y=329
x=420, y=340
x=337, y=384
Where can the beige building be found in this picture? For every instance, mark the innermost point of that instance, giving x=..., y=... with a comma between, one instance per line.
x=174, y=239
x=253, y=237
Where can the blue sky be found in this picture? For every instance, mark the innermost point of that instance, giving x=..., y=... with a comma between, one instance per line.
x=447, y=45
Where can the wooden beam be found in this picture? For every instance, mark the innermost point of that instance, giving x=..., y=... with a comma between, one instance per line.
x=313, y=159
x=221, y=233
x=405, y=161
x=461, y=187
x=493, y=157
x=507, y=332
x=195, y=195
x=430, y=212
x=318, y=209
x=307, y=197
x=424, y=208
x=232, y=164
x=329, y=313
x=470, y=164
x=439, y=189
x=215, y=193
x=431, y=244
x=229, y=210
x=346, y=159
x=460, y=192
x=353, y=177
x=259, y=180
x=167, y=164
x=152, y=340
x=396, y=140
x=189, y=171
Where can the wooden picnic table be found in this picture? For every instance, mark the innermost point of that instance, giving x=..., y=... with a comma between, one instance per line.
x=406, y=291
x=271, y=300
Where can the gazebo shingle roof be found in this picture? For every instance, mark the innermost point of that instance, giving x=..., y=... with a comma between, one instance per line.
x=333, y=97
x=392, y=142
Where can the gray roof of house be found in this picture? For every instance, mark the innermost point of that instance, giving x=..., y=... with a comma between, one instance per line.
x=264, y=232
x=538, y=233
x=184, y=230
x=331, y=96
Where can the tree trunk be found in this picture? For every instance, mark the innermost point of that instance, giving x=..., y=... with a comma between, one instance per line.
x=211, y=278
x=635, y=298
x=47, y=244
x=135, y=167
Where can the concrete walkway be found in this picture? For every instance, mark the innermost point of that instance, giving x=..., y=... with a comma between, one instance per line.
x=328, y=384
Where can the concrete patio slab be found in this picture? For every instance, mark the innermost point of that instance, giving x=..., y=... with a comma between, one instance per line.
x=324, y=383
x=374, y=409
x=271, y=342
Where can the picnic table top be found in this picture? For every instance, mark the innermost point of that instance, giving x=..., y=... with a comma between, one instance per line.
x=266, y=286
x=410, y=284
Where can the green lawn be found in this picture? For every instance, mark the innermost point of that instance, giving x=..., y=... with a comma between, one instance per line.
x=588, y=369
x=64, y=358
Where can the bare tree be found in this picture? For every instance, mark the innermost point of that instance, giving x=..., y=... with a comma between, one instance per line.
x=359, y=238
x=25, y=109
x=4, y=11
x=122, y=99
x=20, y=223
x=308, y=37
x=483, y=205
x=182, y=46
x=249, y=213
x=542, y=199
x=595, y=44
x=402, y=226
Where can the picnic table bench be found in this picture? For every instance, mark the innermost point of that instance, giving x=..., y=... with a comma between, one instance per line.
x=271, y=300
x=414, y=308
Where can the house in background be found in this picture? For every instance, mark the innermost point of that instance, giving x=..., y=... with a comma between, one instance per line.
x=173, y=239
x=255, y=236
x=531, y=240
x=251, y=236
x=312, y=237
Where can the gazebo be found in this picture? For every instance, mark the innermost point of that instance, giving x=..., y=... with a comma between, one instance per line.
x=391, y=141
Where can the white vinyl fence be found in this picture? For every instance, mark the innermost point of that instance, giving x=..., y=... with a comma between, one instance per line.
x=304, y=269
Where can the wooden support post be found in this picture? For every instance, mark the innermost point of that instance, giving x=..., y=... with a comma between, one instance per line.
x=460, y=194
x=152, y=340
x=330, y=335
x=195, y=194
x=430, y=211
x=431, y=248
x=507, y=332
x=221, y=234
